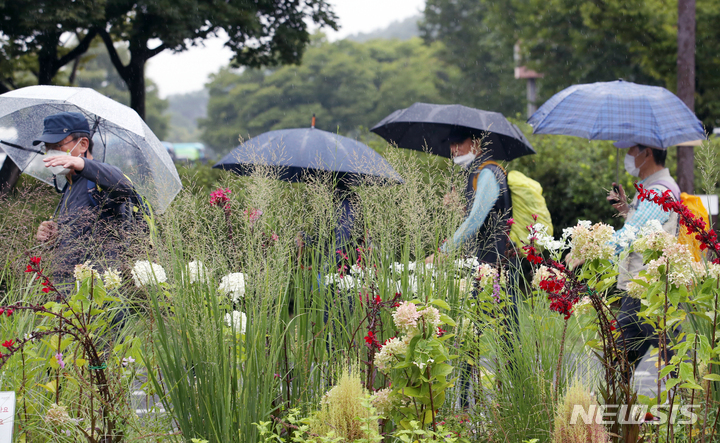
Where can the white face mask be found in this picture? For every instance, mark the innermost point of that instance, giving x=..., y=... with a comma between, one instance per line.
x=630, y=165
x=57, y=170
x=464, y=160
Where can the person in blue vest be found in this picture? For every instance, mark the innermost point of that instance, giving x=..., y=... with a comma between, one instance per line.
x=88, y=220
x=488, y=201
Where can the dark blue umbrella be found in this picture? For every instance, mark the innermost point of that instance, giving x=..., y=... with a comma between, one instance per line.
x=619, y=110
x=424, y=124
x=308, y=150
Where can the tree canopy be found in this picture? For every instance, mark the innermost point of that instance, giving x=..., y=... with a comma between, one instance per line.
x=346, y=84
x=581, y=41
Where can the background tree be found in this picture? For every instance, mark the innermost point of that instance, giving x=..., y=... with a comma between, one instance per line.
x=263, y=32
x=53, y=32
x=96, y=71
x=348, y=85
x=476, y=46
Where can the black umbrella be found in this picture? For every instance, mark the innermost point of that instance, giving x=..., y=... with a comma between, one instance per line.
x=309, y=150
x=426, y=124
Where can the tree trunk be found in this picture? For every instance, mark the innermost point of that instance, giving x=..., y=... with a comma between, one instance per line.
x=686, y=87
x=136, y=85
x=9, y=175
x=47, y=58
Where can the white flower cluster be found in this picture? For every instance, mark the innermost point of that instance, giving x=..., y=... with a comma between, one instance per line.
x=467, y=263
x=112, y=279
x=589, y=242
x=408, y=320
x=393, y=350
x=84, y=271
x=237, y=321
x=197, y=272
x=382, y=401
x=653, y=239
x=539, y=233
x=627, y=236
x=145, y=273
x=233, y=285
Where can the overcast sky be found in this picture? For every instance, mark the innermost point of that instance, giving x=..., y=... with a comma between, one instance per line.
x=189, y=70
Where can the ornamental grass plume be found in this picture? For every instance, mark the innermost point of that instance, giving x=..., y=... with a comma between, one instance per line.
x=342, y=411
x=580, y=432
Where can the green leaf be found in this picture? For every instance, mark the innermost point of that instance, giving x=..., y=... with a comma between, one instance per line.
x=447, y=320
x=712, y=377
x=440, y=304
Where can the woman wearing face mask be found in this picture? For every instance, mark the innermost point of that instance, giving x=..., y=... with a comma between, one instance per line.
x=647, y=164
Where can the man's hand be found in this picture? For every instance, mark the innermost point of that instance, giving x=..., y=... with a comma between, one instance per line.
x=621, y=205
x=75, y=164
x=47, y=231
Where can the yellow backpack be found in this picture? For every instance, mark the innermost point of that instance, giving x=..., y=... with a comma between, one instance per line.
x=695, y=205
x=527, y=200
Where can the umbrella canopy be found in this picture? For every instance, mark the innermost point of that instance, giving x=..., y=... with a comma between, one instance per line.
x=424, y=124
x=308, y=150
x=619, y=110
x=121, y=138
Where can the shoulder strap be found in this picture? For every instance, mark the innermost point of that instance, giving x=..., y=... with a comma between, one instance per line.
x=672, y=187
x=481, y=167
x=90, y=189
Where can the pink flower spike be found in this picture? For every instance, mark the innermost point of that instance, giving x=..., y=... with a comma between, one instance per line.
x=511, y=221
x=59, y=358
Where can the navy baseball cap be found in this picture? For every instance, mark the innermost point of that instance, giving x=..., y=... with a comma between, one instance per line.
x=59, y=126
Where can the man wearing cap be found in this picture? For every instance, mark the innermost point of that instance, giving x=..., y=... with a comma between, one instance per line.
x=648, y=164
x=93, y=198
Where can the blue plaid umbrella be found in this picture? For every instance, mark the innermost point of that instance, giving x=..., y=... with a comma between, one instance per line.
x=619, y=110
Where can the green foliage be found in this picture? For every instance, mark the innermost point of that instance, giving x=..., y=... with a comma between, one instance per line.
x=475, y=44
x=580, y=42
x=345, y=84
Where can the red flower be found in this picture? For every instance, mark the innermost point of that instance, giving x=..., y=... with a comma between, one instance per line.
x=371, y=340
x=46, y=290
x=535, y=217
x=613, y=324
x=511, y=221
x=440, y=332
x=220, y=196
x=8, y=312
x=8, y=343
x=378, y=300
x=35, y=260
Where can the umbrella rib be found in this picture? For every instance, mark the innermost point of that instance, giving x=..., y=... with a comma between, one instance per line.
x=13, y=145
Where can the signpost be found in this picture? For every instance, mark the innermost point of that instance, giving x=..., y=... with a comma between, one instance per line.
x=7, y=416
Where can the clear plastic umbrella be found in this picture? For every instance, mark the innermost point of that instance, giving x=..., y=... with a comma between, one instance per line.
x=121, y=138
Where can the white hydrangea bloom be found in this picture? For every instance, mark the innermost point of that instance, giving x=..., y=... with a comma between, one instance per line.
x=197, y=272
x=145, y=273
x=397, y=268
x=84, y=271
x=627, y=236
x=233, y=285
x=112, y=279
x=236, y=320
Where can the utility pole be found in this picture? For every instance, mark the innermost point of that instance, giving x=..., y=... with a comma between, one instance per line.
x=686, y=87
x=521, y=72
